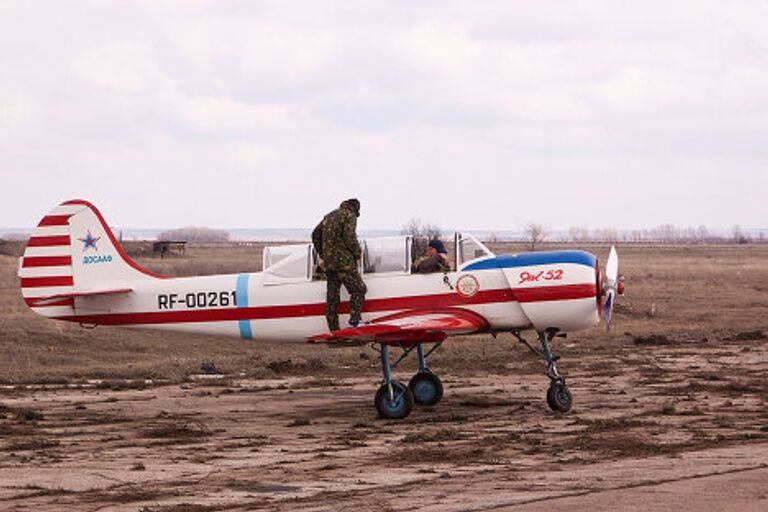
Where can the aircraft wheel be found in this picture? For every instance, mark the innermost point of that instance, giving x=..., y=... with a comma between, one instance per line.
x=427, y=388
x=559, y=396
x=395, y=409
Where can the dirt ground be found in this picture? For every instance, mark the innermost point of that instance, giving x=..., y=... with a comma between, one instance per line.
x=670, y=410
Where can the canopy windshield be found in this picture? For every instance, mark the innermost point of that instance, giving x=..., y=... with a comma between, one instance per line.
x=287, y=264
x=469, y=248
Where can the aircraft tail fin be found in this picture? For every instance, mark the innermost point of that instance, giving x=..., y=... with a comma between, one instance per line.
x=72, y=254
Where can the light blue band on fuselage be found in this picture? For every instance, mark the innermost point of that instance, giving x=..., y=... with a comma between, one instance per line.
x=534, y=258
x=241, y=295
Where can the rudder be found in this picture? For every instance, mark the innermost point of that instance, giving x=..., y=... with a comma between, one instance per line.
x=73, y=252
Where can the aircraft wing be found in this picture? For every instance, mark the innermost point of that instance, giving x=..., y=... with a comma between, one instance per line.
x=417, y=326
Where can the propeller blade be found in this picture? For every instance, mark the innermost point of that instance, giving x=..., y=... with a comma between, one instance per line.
x=610, y=286
x=608, y=309
x=612, y=267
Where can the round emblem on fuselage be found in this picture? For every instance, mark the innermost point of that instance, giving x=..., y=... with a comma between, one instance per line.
x=467, y=285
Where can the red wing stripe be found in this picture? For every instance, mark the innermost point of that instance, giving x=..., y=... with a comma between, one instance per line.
x=46, y=261
x=54, y=220
x=48, y=241
x=32, y=302
x=556, y=292
x=41, y=282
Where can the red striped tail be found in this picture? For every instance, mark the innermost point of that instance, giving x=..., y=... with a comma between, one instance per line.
x=73, y=253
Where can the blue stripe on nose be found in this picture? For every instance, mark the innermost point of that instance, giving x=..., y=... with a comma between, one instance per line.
x=534, y=258
x=241, y=295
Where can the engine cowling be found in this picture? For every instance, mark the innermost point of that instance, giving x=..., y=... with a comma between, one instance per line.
x=555, y=289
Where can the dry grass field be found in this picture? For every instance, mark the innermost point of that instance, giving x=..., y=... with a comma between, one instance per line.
x=675, y=395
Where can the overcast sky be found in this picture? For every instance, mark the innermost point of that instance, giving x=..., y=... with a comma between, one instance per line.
x=465, y=114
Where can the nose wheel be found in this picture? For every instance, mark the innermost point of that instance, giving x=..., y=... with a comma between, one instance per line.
x=559, y=397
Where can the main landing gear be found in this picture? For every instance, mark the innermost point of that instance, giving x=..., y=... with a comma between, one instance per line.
x=559, y=397
x=394, y=400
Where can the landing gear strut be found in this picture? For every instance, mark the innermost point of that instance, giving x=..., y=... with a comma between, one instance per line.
x=394, y=400
x=559, y=397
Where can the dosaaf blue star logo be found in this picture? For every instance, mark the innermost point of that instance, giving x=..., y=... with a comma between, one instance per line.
x=90, y=242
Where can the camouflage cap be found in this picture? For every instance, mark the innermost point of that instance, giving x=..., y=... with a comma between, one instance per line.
x=352, y=204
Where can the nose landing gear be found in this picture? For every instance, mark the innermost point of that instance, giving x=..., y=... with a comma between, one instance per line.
x=559, y=397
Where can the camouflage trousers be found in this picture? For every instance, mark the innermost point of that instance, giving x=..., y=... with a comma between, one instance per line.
x=355, y=286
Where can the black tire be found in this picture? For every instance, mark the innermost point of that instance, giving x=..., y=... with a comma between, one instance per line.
x=398, y=408
x=559, y=397
x=426, y=388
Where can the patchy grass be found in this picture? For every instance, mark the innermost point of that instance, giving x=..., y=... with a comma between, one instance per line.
x=28, y=415
x=32, y=443
x=444, y=434
x=439, y=453
x=178, y=429
x=299, y=422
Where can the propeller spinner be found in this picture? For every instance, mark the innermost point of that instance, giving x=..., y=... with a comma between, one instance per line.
x=611, y=286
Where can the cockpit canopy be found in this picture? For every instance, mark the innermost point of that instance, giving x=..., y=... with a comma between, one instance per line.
x=382, y=256
x=387, y=255
x=468, y=248
x=285, y=264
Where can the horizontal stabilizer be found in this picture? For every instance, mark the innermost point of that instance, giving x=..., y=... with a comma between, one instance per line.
x=42, y=301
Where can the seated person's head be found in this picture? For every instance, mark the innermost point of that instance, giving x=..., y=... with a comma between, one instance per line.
x=434, y=260
x=436, y=247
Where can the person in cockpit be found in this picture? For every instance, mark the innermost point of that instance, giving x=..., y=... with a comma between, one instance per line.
x=434, y=260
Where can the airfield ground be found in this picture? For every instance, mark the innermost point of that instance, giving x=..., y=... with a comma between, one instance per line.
x=670, y=408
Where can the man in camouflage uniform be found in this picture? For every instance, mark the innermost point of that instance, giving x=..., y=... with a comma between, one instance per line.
x=335, y=240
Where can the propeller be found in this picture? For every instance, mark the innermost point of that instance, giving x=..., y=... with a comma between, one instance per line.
x=611, y=286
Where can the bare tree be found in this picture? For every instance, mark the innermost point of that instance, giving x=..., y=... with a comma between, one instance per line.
x=422, y=234
x=415, y=228
x=535, y=233
x=412, y=227
x=667, y=232
x=702, y=233
x=738, y=235
x=195, y=234
x=432, y=231
x=578, y=234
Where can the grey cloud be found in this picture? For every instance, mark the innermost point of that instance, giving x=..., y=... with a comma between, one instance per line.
x=484, y=115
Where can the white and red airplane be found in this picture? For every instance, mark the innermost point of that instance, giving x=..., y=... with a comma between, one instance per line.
x=74, y=269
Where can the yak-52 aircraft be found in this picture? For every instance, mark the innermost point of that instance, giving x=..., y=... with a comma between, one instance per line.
x=74, y=269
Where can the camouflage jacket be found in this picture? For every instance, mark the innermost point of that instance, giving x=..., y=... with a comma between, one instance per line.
x=335, y=239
